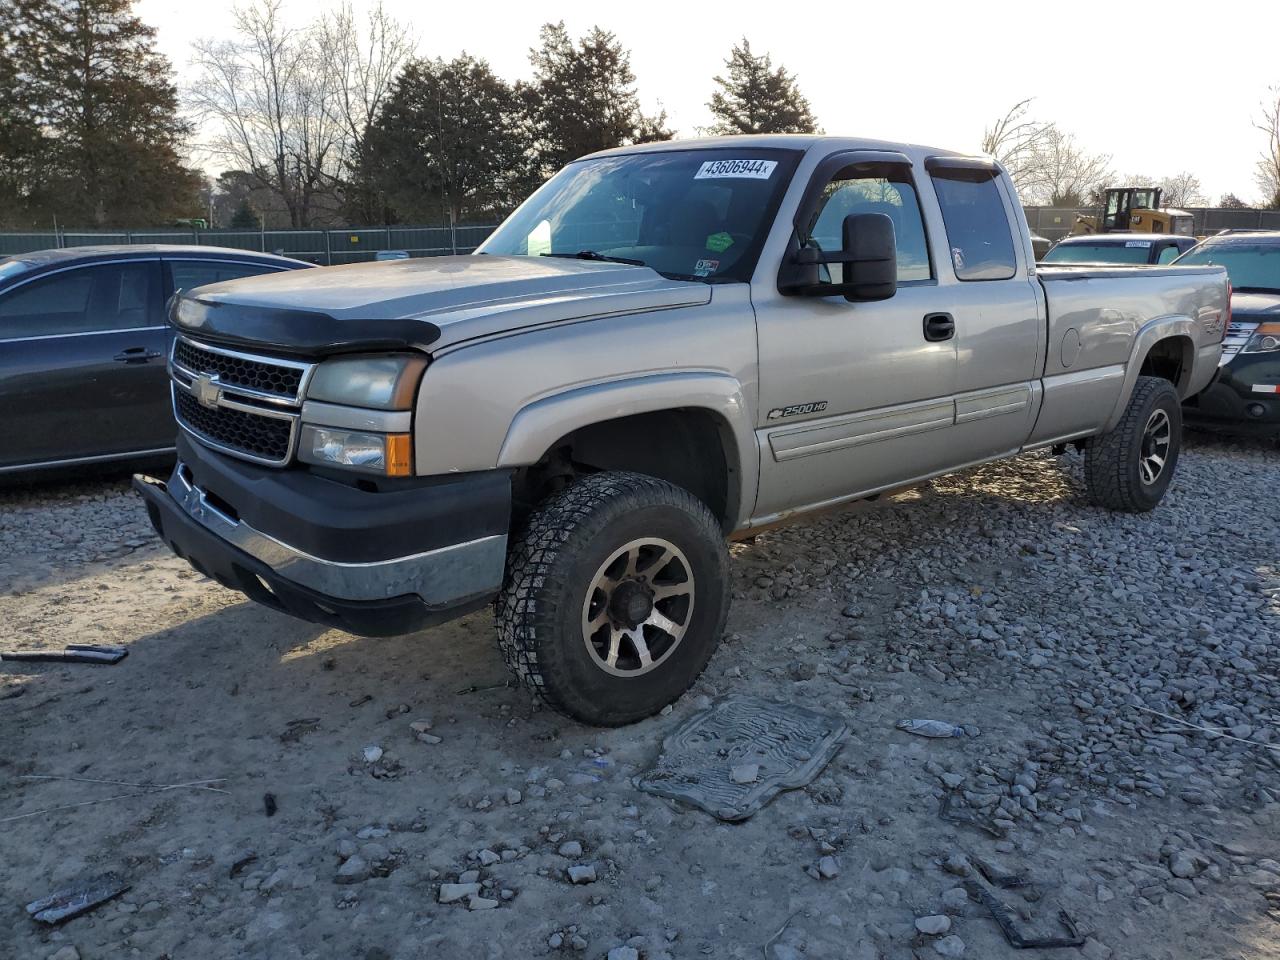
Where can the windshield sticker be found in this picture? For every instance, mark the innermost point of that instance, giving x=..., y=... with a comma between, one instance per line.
x=719, y=242
x=736, y=169
x=1137, y=243
x=705, y=268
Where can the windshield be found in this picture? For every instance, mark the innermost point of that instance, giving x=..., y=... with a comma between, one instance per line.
x=1255, y=265
x=1100, y=252
x=689, y=214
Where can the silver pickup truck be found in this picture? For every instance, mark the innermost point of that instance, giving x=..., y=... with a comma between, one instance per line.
x=665, y=346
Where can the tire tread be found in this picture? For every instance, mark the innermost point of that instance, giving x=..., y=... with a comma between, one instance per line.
x=1108, y=480
x=536, y=574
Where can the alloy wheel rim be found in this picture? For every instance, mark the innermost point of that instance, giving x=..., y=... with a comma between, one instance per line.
x=1157, y=438
x=638, y=607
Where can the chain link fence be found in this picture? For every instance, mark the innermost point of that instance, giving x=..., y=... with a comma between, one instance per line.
x=325, y=247
x=1054, y=223
x=356, y=244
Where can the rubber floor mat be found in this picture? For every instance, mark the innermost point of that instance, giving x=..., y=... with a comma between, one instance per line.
x=706, y=760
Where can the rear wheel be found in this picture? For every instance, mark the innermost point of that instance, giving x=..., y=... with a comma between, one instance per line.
x=615, y=597
x=1129, y=468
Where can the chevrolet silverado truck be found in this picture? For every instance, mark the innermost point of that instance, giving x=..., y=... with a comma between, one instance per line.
x=665, y=347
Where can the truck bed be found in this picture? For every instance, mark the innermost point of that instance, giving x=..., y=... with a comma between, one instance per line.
x=1101, y=322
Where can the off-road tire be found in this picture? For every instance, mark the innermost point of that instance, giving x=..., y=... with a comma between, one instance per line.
x=550, y=566
x=1112, y=473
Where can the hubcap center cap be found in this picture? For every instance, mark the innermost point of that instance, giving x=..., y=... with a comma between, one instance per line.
x=631, y=603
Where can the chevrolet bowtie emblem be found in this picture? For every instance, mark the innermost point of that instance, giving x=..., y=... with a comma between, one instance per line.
x=206, y=390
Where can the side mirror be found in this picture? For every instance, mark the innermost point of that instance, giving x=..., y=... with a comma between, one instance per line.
x=868, y=259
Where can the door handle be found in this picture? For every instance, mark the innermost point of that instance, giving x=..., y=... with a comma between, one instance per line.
x=939, y=326
x=136, y=355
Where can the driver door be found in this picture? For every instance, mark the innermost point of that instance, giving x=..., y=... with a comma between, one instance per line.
x=855, y=397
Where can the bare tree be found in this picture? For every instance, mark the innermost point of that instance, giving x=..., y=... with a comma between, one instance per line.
x=1069, y=172
x=366, y=63
x=1018, y=142
x=1267, y=175
x=1183, y=190
x=271, y=96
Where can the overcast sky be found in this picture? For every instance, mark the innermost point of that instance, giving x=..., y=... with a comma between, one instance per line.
x=1162, y=87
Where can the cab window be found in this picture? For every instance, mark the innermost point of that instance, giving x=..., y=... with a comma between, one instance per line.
x=1169, y=254
x=978, y=233
x=886, y=191
x=94, y=299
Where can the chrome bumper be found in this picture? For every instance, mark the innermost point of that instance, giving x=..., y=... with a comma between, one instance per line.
x=440, y=578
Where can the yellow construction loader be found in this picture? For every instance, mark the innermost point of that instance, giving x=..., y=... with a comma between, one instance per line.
x=1135, y=210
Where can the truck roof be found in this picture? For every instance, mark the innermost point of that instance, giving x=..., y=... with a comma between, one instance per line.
x=776, y=141
x=1115, y=238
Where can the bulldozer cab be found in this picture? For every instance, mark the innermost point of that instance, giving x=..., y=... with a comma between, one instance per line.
x=1122, y=202
x=1134, y=210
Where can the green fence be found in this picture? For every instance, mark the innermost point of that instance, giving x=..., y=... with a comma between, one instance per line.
x=1056, y=222
x=329, y=246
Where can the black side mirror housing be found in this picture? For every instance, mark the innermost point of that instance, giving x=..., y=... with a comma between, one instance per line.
x=871, y=248
x=868, y=259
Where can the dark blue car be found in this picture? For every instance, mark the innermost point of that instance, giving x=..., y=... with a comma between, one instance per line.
x=83, y=347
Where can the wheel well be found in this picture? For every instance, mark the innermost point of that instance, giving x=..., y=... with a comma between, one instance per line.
x=693, y=449
x=1169, y=359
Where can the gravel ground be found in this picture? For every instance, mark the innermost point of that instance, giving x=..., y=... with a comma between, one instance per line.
x=404, y=771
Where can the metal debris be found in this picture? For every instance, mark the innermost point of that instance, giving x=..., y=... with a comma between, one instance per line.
x=790, y=745
x=1005, y=920
x=997, y=878
x=71, y=653
x=966, y=817
x=70, y=902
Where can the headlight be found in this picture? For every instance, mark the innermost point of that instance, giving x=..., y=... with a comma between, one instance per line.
x=1265, y=339
x=386, y=454
x=386, y=382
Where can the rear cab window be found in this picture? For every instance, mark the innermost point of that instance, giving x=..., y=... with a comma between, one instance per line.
x=1130, y=251
x=979, y=236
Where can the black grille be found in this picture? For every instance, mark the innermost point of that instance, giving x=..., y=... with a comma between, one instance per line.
x=265, y=437
x=238, y=371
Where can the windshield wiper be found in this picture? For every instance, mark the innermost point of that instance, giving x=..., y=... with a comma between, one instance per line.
x=593, y=255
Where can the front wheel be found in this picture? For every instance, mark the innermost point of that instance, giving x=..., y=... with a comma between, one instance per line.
x=615, y=597
x=1129, y=468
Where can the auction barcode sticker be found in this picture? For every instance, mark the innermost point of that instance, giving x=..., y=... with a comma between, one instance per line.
x=737, y=169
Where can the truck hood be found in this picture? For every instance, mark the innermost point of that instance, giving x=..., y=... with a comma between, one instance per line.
x=422, y=304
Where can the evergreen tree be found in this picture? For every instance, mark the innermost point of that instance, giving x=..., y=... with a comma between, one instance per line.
x=583, y=97
x=245, y=217
x=19, y=136
x=756, y=98
x=448, y=143
x=107, y=112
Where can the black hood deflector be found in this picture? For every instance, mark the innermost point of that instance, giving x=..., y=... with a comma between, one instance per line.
x=301, y=333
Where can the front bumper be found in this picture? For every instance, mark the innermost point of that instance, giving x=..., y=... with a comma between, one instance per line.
x=1243, y=397
x=361, y=590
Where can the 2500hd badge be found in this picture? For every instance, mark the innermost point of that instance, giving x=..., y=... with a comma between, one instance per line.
x=797, y=410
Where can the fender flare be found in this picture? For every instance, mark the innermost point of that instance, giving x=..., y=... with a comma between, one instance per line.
x=1148, y=335
x=538, y=425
